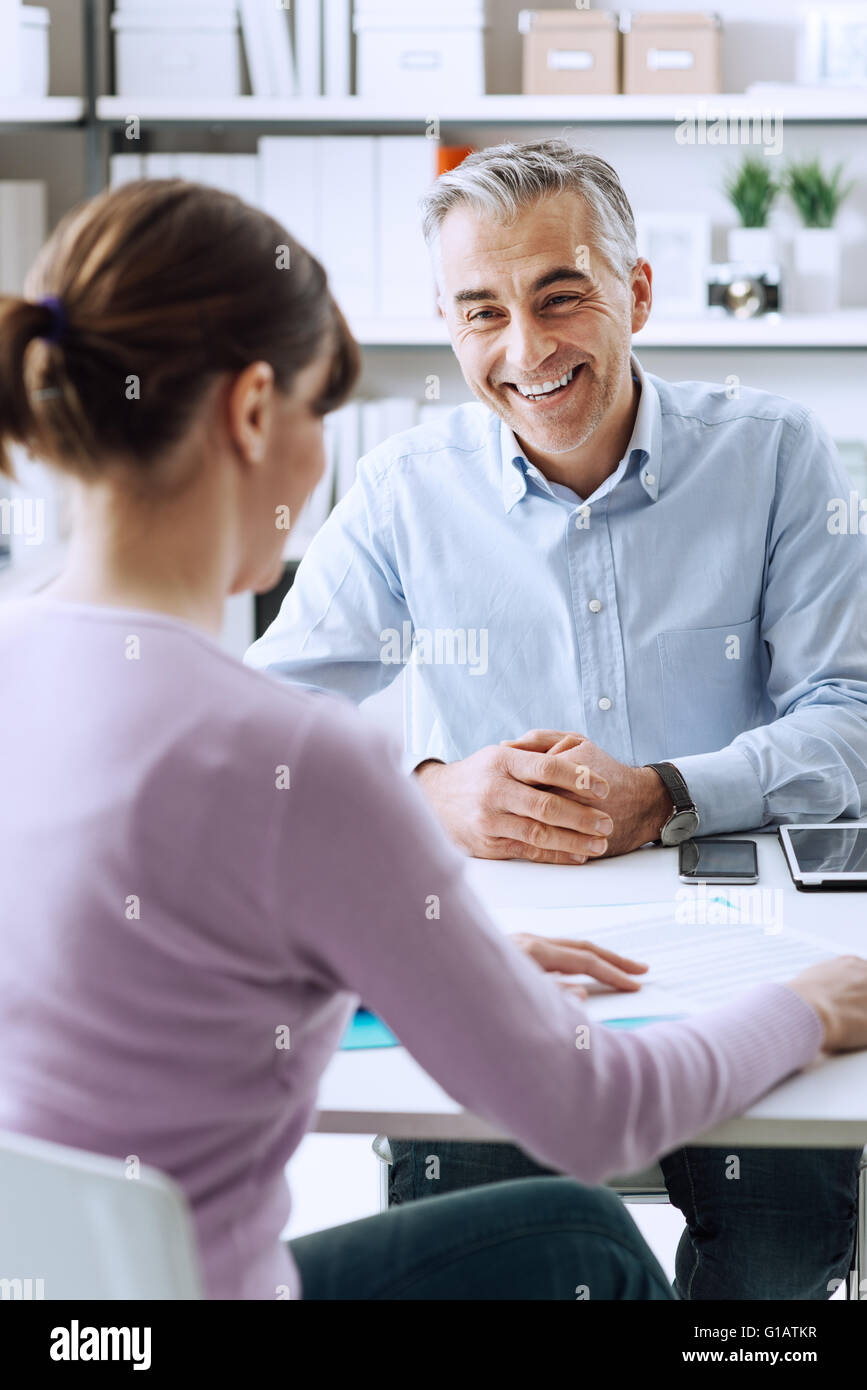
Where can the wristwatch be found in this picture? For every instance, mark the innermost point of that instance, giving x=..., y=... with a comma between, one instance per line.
x=683, y=821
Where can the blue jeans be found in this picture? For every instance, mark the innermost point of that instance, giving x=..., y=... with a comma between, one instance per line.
x=549, y=1238
x=779, y=1223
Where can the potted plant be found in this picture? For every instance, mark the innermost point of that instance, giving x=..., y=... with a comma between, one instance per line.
x=752, y=189
x=817, y=195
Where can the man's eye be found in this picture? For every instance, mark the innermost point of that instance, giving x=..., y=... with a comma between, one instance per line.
x=481, y=314
x=558, y=299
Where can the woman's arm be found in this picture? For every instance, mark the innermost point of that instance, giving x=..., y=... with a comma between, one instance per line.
x=378, y=905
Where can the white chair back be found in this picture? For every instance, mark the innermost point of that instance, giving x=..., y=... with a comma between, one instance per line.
x=77, y=1225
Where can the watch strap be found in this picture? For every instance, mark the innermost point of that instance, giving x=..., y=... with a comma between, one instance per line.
x=675, y=786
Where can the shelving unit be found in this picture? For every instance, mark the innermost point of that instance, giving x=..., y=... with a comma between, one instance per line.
x=21, y=115
x=845, y=330
x=818, y=359
x=350, y=113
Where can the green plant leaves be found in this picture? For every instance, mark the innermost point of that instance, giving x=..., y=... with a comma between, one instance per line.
x=816, y=195
x=752, y=189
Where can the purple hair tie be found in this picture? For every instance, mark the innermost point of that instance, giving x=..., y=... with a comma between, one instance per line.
x=58, y=316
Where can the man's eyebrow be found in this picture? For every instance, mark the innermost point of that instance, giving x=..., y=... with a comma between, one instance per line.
x=551, y=277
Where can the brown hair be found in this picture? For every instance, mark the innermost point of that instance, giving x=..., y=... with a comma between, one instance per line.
x=168, y=283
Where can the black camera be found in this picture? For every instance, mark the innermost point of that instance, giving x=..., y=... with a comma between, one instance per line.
x=744, y=290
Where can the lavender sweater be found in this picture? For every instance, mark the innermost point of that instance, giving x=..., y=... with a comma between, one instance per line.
x=169, y=909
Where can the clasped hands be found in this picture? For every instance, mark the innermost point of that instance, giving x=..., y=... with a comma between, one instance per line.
x=549, y=796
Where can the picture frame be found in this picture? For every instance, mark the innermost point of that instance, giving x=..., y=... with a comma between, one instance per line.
x=678, y=247
x=832, y=51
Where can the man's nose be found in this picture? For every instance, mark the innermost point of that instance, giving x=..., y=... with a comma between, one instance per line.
x=529, y=343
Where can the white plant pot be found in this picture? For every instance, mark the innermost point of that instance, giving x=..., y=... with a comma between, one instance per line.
x=752, y=246
x=816, y=264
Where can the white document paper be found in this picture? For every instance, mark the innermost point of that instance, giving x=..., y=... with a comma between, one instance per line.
x=693, y=966
x=347, y=244
x=22, y=229
x=337, y=36
x=256, y=48
x=308, y=47
x=279, y=52
x=406, y=171
x=289, y=185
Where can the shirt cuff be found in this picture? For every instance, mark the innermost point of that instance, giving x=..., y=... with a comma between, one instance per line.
x=411, y=761
x=725, y=790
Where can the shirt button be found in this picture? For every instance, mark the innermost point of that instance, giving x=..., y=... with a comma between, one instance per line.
x=595, y=606
x=650, y=479
x=605, y=703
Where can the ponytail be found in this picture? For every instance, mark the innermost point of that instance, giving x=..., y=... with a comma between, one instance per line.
x=148, y=293
x=20, y=323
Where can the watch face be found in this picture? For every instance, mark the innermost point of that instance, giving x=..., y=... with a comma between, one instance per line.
x=679, y=827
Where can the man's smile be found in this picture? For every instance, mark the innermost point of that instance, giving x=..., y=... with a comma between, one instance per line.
x=537, y=395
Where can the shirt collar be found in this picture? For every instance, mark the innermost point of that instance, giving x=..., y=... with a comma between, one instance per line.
x=645, y=445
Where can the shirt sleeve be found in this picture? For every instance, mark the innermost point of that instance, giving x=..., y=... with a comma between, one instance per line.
x=378, y=906
x=341, y=627
x=810, y=763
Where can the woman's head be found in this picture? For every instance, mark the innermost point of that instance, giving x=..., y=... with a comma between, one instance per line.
x=170, y=329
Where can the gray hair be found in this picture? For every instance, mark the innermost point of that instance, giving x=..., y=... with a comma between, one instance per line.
x=505, y=178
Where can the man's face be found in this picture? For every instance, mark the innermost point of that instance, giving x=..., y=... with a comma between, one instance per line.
x=533, y=306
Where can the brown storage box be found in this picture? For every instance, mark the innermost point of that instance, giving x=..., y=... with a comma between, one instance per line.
x=672, y=54
x=570, y=51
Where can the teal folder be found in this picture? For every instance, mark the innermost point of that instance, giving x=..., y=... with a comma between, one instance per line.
x=638, y=1021
x=366, y=1030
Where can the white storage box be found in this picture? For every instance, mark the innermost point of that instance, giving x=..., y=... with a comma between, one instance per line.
x=33, y=52
x=417, y=52
x=177, y=50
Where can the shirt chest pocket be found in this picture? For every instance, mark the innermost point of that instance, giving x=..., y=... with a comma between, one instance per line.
x=713, y=685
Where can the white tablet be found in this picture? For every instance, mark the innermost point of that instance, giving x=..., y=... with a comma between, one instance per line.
x=824, y=857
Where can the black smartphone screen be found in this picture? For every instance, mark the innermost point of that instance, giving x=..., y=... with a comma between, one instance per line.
x=719, y=858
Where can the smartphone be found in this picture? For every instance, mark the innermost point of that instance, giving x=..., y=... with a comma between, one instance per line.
x=719, y=861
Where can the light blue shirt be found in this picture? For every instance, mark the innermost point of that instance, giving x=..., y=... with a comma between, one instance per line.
x=706, y=604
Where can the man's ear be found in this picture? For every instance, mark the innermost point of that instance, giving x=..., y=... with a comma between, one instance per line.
x=249, y=407
x=641, y=290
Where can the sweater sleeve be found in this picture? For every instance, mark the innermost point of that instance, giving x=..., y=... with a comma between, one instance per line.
x=379, y=906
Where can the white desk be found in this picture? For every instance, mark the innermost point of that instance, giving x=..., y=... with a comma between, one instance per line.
x=385, y=1091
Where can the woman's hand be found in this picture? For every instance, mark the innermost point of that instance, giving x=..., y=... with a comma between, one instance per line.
x=566, y=957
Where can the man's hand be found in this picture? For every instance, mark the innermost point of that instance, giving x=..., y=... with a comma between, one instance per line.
x=551, y=797
x=512, y=803
x=564, y=957
x=637, y=800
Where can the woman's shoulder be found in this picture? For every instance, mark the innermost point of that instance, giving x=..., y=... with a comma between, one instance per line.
x=135, y=669
x=322, y=733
